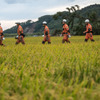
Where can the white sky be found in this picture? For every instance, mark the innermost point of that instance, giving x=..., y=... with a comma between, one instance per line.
x=12, y=11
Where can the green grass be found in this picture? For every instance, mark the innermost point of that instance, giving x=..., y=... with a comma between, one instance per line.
x=50, y=72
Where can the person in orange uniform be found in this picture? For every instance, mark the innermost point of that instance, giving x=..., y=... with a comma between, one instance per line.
x=46, y=33
x=88, y=31
x=1, y=36
x=20, y=33
x=65, y=32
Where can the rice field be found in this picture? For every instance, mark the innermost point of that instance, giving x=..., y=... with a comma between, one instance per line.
x=50, y=72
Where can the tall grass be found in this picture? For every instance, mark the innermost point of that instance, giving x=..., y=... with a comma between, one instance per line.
x=50, y=72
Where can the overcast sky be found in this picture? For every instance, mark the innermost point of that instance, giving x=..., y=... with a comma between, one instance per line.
x=22, y=10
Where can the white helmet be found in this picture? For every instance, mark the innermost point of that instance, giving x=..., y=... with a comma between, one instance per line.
x=87, y=21
x=64, y=20
x=44, y=22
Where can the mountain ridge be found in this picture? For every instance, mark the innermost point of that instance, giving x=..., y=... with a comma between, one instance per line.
x=36, y=28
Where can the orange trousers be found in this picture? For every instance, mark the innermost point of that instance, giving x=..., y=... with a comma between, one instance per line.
x=1, y=39
x=46, y=38
x=89, y=36
x=65, y=38
x=20, y=39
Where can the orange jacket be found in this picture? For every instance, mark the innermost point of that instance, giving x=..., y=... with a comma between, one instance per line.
x=1, y=30
x=46, y=30
x=88, y=28
x=65, y=28
x=20, y=30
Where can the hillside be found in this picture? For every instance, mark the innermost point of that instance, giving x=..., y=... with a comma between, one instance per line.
x=55, y=26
